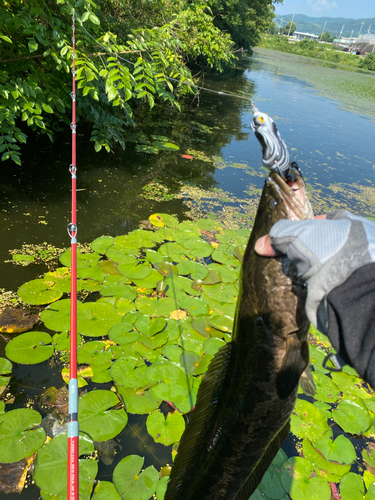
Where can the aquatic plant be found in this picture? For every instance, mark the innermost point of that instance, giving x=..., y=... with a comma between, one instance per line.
x=161, y=304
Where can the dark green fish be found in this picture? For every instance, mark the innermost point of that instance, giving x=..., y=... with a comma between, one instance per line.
x=245, y=400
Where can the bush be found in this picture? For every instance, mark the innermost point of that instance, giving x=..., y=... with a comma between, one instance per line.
x=368, y=62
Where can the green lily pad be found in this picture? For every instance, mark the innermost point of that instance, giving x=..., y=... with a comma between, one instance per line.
x=162, y=488
x=38, y=292
x=119, y=290
x=95, y=417
x=352, y=416
x=61, y=341
x=172, y=381
x=307, y=421
x=340, y=450
x=212, y=278
x=167, y=430
x=57, y=315
x=96, y=318
x=317, y=357
x=125, y=373
x=194, y=306
x=166, y=146
x=330, y=470
x=352, y=487
x=18, y=437
x=101, y=244
x=131, y=483
x=223, y=323
x=297, y=481
x=271, y=484
x=104, y=490
x=212, y=345
x=30, y=348
x=150, y=281
x=165, y=268
x=51, y=467
x=326, y=389
x=122, y=333
x=197, y=271
x=221, y=255
x=83, y=259
x=324, y=408
x=209, y=225
x=94, y=353
x=5, y=366
x=351, y=385
x=227, y=274
x=222, y=293
x=109, y=268
x=138, y=401
x=135, y=272
x=162, y=220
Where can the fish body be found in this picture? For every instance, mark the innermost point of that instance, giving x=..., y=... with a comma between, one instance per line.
x=275, y=152
x=246, y=397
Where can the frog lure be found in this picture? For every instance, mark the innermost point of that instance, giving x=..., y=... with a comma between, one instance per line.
x=275, y=152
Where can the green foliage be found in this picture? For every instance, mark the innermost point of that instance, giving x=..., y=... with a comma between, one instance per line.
x=368, y=62
x=119, y=70
x=244, y=20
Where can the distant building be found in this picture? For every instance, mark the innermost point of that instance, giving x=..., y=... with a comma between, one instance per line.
x=301, y=36
x=365, y=44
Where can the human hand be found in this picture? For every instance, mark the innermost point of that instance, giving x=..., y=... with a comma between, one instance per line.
x=325, y=251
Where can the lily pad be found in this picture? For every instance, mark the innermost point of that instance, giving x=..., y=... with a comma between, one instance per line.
x=326, y=389
x=350, y=385
x=131, y=483
x=95, y=417
x=122, y=333
x=297, y=481
x=222, y=293
x=167, y=430
x=125, y=373
x=138, y=401
x=38, y=292
x=173, y=384
x=18, y=436
x=352, y=487
x=330, y=470
x=30, y=348
x=143, y=148
x=307, y=421
x=352, y=416
x=14, y=320
x=51, y=467
x=105, y=490
x=340, y=450
x=166, y=146
x=162, y=220
x=100, y=245
x=96, y=318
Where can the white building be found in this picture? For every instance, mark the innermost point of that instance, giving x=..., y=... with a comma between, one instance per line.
x=301, y=36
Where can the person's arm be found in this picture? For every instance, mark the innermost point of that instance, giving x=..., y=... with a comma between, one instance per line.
x=336, y=257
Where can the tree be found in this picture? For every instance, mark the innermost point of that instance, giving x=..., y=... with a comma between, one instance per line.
x=326, y=37
x=129, y=55
x=368, y=62
x=290, y=28
x=244, y=20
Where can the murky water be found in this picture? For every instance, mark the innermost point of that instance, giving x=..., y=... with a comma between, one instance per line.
x=332, y=144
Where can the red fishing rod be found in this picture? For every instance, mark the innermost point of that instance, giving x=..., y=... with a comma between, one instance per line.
x=73, y=428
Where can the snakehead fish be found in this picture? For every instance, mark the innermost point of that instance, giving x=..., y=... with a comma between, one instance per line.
x=245, y=400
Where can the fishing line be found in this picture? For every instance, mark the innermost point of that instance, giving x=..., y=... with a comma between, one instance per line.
x=73, y=426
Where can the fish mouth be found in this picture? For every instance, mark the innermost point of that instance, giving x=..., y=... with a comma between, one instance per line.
x=294, y=195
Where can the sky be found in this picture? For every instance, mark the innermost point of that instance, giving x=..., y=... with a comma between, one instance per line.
x=331, y=8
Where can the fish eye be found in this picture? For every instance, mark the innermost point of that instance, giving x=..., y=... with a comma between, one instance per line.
x=273, y=203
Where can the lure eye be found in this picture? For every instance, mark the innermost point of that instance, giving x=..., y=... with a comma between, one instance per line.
x=273, y=203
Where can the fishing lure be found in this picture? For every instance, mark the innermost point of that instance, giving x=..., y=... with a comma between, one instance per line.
x=275, y=152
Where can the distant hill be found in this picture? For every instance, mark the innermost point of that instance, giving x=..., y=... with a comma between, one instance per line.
x=334, y=25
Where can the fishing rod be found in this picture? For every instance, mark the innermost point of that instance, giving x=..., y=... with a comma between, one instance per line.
x=73, y=427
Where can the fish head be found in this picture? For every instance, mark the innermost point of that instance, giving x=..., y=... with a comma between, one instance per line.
x=283, y=199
